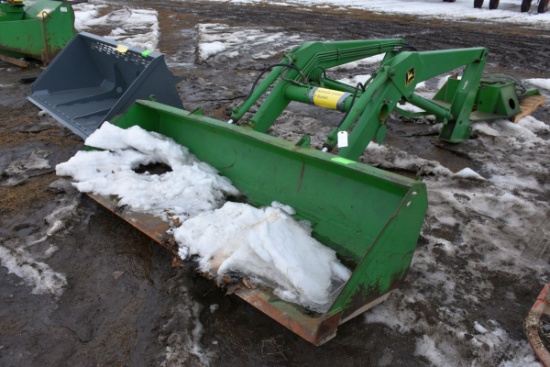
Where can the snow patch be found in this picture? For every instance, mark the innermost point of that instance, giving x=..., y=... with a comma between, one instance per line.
x=135, y=27
x=468, y=173
x=15, y=256
x=189, y=188
x=217, y=42
x=539, y=82
x=269, y=246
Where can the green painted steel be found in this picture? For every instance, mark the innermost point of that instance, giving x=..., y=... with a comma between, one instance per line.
x=306, y=65
x=10, y=11
x=371, y=218
x=35, y=29
x=367, y=107
x=496, y=98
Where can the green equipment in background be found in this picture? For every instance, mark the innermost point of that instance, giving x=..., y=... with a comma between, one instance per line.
x=34, y=30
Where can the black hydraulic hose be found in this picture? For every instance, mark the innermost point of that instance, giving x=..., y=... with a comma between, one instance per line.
x=266, y=69
x=353, y=101
x=289, y=65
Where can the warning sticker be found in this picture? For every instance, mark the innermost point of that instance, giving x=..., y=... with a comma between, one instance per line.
x=328, y=98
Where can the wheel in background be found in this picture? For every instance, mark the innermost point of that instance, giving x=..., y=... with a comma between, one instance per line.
x=525, y=5
x=543, y=6
x=478, y=3
x=493, y=4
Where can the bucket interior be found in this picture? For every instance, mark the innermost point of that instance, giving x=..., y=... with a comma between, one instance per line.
x=348, y=203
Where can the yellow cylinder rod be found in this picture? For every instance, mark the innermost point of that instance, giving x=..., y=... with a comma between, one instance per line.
x=322, y=97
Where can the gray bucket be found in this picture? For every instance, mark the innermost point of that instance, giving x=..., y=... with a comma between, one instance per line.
x=93, y=79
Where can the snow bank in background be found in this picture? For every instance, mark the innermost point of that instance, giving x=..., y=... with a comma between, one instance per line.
x=85, y=14
x=356, y=79
x=135, y=27
x=269, y=246
x=221, y=41
x=539, y=82
x=376, y=59
x=508, y=10
x=191, y=186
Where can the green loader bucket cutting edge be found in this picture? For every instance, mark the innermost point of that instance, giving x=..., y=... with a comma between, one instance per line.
x=370, y=217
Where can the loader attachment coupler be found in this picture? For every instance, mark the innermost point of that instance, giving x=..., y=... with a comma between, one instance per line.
x=94, y=78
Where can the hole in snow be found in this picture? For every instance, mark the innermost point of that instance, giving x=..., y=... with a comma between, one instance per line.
x=153, y=169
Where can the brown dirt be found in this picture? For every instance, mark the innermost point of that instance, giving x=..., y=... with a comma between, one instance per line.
x=133, y=320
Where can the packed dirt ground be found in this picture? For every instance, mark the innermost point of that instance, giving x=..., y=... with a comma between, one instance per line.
x=123, y=303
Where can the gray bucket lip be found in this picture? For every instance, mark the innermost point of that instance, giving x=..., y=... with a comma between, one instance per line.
x=113, y=43
x=56, y=90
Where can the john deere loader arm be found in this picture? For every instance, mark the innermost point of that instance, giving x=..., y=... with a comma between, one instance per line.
x=300, y=76
x=395, y=82
x=305, y=66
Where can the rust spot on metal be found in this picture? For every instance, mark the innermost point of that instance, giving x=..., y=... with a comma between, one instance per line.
x=532, y=323
x=314, y=327
x=248, y=284
x=152, y=226
x=176, y=262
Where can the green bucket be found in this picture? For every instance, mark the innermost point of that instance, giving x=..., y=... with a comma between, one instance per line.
x=370, y=217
